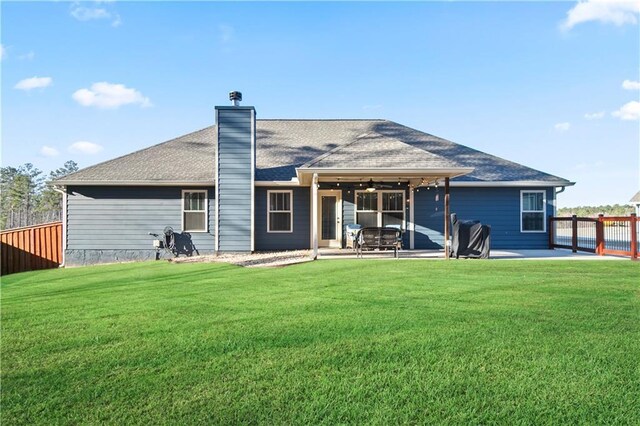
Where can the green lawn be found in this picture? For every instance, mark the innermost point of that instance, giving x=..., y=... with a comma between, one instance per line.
x=341, y=341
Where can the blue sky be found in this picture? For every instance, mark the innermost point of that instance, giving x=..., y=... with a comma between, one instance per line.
x=550, y=85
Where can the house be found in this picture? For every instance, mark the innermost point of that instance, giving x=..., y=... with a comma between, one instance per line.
x=635, y=201
x=247, y=184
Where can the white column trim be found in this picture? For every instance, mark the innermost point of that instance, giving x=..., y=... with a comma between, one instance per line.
x=65, y=199
x=253, y=179
x=216, y=245
x=412, y=225
x=314, y=214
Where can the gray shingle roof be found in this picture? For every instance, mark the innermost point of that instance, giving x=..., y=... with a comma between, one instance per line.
x=373, y=150
x=635, y=198
x=284, y=145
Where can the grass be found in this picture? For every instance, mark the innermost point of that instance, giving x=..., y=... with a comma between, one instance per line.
x=330, y=342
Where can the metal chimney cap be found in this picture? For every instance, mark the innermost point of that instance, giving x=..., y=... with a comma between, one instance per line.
x=235, y=96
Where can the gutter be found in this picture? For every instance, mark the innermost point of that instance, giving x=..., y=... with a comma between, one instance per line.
x=513, y=183
x=63, y=191
x=132, y=183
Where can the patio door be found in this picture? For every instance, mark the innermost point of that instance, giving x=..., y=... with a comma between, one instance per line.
x=329, y=214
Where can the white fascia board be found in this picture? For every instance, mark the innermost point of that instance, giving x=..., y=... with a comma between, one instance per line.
x=457, y=171
x=292, y=182
x=512, y=183
x=452, y=172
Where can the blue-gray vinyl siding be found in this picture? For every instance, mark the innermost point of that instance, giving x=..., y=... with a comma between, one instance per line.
x=120, y=218
x=235, y=184
x=498, y=207
x=300, y=238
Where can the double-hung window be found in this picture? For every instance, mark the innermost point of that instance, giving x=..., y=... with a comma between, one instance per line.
x=194, y=210
x=366, y=208
x=380, y=208
x=532, y=211
x=280, y=211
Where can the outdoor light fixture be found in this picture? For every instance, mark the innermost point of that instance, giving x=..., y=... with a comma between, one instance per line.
x=370, y=187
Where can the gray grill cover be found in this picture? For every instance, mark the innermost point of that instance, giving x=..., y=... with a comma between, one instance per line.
x=470, y=238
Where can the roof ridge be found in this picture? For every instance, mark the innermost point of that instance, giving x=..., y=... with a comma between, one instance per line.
x=131, y=153
x=331, y=151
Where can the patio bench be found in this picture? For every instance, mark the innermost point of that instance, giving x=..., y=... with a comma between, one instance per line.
x=372, y=238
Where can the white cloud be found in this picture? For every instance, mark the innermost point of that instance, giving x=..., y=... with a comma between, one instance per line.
x=629, y=111
x=109, y=95
x=117, y=21
x=48, y=151
x=226, y=33
x=3, y=52
x=562, y=127
x=617, y=12
x=27, y=56
x=594, y=115
x=84, y=147
x=631, y=85
x=89, y=13
x=84, y=14
x=33, y=83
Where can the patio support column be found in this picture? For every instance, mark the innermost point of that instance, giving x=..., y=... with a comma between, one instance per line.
x=412, y=225
x=314, y=215
x=447, y=214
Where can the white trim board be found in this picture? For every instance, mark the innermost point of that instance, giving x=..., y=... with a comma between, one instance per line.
x=543, y=211
x=290, y=211
x=205, y=211
x=379, y=210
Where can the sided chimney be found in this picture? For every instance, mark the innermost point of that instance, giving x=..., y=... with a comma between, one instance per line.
x=235, y=169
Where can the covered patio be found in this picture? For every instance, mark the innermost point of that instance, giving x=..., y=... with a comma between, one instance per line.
x=329, y=216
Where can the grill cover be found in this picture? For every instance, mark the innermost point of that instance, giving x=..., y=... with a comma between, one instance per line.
x=470, y=238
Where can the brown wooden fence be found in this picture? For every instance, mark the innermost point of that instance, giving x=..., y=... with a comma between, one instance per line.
x=616, y=235
x=31, y=248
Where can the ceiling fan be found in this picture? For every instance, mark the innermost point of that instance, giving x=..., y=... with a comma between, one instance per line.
x=372, y=186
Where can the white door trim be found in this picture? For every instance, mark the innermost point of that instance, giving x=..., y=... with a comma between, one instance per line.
x=337, y=243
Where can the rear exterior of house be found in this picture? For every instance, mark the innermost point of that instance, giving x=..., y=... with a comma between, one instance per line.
x=254, y=185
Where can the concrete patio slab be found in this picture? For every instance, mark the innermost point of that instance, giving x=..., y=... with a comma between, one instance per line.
x=495, y=254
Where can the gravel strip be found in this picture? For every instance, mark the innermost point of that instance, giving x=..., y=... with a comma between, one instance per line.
x=252, y=260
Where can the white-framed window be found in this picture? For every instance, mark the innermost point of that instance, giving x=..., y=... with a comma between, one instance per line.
x=380, y=208
x=194, y=210
x=280, y=211
x=532, y=211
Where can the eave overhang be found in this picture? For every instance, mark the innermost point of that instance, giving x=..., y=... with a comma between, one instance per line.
x=513, y=183
x=130, y=183
x=326, y=174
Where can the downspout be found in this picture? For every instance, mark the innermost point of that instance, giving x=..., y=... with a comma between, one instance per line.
x=555, y=200
x=63, y=191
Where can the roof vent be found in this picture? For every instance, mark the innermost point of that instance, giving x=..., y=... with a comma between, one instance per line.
x=235, y=98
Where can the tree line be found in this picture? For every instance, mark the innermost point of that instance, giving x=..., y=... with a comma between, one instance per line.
x=594, y=211
x=25, y=197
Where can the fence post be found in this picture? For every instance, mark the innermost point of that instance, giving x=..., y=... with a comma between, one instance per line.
x=634, y=236
x=600, y=235
x=574, y=233
x=551, y=236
